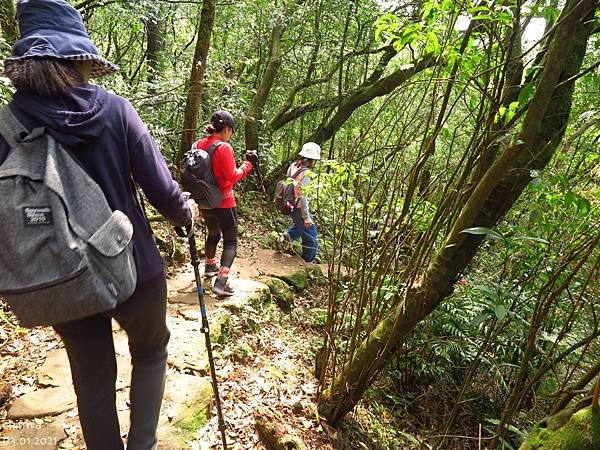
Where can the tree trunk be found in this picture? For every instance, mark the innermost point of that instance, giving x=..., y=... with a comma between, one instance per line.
x=7, y=21
x=596, y=396
x=586, y=379
x=196, y=83
x=576, y=429
x=154, y=45
x=260, y=99
x=374, y=87
x=541, y=132
x=513, y=74
x=287, y=114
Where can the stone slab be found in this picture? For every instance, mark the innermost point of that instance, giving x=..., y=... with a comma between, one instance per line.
x=42, y=403
x=55, y=371
x=187, y=404
x=186, y=345
x=270, y=263
x=182, y=282
x=246, y=292
x=191, y=313
x=30, y=435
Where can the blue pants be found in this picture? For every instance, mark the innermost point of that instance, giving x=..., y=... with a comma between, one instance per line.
x=308, y=236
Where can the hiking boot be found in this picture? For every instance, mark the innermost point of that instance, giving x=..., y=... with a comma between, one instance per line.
x=210, y=270
x=222, y=289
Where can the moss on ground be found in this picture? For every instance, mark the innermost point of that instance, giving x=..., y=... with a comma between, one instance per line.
x=219, y=327
x=194, y=422
x=195, y=411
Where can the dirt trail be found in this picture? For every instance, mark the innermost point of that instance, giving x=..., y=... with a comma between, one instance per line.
x=264, y=365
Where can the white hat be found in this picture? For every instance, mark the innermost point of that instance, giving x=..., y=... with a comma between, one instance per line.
x=311, y=150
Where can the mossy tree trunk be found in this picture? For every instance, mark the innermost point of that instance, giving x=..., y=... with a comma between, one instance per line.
x=579, y=430
x=255, y=112
x=372, y=88
x=513, y=75
x=493, y=196
x=196, y=83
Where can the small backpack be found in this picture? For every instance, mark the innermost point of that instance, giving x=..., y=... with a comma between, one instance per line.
x=286, y=200
x=65, y=254
x=198, y=178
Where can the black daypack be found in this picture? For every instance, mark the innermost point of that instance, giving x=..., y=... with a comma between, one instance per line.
x=198, y=178
x=286, y=200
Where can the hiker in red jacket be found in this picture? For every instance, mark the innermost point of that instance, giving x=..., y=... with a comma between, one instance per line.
x=222, y=220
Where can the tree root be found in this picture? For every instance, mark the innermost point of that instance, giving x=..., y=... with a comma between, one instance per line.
x=274, y=434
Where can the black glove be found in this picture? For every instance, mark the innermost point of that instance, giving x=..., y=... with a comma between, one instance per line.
x=252, y=156
x=184, y=232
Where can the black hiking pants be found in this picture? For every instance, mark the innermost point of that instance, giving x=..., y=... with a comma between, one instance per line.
x=221, y=222
x=90, y=347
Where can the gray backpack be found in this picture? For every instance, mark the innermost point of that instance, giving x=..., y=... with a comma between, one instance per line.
x=64, y=253
x=285, y=193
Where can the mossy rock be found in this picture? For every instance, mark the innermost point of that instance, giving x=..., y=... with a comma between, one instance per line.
x=193, y=416
x=580, y=432
x=190, y=399
x=260, y=297
x=247, y=292
x=302, y=276
x=219, y=326
x=298, y=279
x=281, y=292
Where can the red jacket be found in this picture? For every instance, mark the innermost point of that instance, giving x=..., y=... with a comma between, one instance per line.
x=224, y=168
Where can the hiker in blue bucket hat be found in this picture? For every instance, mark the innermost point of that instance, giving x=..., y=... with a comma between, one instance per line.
x=50, y=67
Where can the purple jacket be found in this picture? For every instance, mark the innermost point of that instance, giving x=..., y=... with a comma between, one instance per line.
x=110, y=140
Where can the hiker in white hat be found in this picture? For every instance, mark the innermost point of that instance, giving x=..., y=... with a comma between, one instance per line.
x=304, y=226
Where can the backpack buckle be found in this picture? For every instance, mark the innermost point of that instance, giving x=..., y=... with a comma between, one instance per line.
x=34, y=134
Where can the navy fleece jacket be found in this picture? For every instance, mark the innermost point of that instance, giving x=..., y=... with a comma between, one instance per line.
x=110, y=140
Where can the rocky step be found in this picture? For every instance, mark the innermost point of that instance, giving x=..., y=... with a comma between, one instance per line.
x=188, y=394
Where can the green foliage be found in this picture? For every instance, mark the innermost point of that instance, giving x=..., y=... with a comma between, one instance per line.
x=6, y=89
x=394, y=178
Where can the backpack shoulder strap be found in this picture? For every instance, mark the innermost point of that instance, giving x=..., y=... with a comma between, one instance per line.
x=212, y=148
x=10, y=127
x=300, y=171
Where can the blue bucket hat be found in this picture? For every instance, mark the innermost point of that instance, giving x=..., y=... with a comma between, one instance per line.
x=54, y=29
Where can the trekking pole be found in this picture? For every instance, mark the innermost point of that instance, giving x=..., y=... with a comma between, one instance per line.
x=256, y=165
x=260, y=177
x=189, y=233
